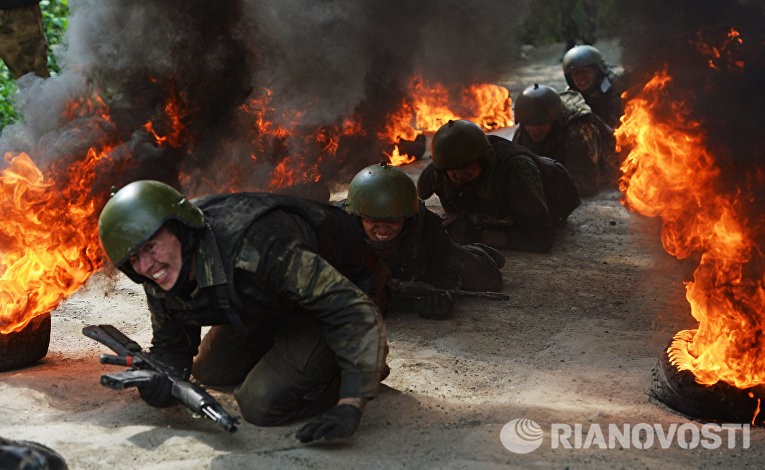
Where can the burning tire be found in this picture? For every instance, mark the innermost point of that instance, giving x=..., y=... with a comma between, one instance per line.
x=25, y=347
x=719, y=402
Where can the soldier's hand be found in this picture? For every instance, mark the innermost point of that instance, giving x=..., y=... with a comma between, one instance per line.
x=436, y=306
x=157, y=392
x=340, y=421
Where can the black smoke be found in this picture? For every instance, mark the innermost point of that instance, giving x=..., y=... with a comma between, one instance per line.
x=723, y=93
x=318, y=62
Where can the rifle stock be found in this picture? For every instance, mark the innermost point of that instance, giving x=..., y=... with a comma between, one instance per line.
x=145, y=367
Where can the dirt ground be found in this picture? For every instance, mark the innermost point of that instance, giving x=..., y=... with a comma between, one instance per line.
x=575, y=344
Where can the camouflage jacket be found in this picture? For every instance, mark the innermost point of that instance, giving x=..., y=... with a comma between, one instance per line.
x=605, y=100
x=269, y=256
x=583, y=143
x=510, y=187
x=423, y=252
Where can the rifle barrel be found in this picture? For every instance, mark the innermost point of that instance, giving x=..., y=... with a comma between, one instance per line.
x=482, y=294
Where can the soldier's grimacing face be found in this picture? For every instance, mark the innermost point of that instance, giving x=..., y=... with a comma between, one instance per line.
x=465, y=174
x=159, y=259
x=539, y=132
x=583, y=77
x=382, y=230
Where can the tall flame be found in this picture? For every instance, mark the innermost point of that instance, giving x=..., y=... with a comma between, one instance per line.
x=50, y=243
x=669, y=173
x=49, y=233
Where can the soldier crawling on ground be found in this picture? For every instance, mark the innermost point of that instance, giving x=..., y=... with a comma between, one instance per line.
x=416, y=249
x=494, y=191
x=562, y=126
x=287, y=285
x=600, y=85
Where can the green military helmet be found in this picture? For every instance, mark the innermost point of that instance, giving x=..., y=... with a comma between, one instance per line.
x=383, y=192
x=136, y=212
x=458, y=143
x=583, y=56
x=538, y=104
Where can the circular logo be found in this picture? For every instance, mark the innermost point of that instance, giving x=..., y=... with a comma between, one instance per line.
x=521, y=436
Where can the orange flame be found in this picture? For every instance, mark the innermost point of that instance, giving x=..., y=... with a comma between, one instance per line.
x=289, y=173
x=172, y=120
x=723, y=56
x=50, y=240
x=49, y=234
x=396, y=159
x=670, y=174
x=430, y=105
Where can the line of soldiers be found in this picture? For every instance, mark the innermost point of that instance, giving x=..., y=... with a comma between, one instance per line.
x=296, y=291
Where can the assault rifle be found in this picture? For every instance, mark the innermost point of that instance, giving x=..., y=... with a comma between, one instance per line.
x=418, y=288
x=143, y=367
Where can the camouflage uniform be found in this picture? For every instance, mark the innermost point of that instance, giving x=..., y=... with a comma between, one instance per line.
x=424, y=252
x=289, y=285
x=605, y=97
x=583, y=143
x=527, y=192
x=23, y=46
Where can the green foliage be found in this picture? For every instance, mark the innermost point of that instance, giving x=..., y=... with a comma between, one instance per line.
x=8, y=114
x=543, y=24
x=55, y=21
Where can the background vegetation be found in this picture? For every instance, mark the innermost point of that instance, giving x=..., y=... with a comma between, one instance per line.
x=542, y=24
x=55, y=18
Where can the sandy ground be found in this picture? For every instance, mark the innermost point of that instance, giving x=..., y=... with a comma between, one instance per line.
x=574, y=345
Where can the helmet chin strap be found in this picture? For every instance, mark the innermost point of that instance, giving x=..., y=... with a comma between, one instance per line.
x=189, y=239
x=182, y=286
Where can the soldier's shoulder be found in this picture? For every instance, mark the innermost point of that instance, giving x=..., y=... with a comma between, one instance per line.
x=505, y=149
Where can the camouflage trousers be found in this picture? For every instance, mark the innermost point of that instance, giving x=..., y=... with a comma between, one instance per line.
x=23, y=46
x=283, y=371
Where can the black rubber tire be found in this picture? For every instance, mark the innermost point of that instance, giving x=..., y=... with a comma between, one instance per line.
x=25, y=347
x=29, y=455
x=720, y=402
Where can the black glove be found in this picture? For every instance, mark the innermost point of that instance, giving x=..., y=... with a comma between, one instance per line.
x=157, y=392
x=436, y=306
x=421, y=297
x=340, y=421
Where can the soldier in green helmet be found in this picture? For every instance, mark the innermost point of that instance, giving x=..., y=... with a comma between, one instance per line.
x=292, y=291
x=412, y=242
x=600, y=85
x=494, y=191
x=562, y=126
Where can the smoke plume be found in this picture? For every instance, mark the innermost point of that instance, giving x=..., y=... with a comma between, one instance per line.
x=232, y=88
